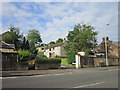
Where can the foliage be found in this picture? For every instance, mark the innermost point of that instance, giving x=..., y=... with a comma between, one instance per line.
x=13, y=36
x=52, y=42
x=34, y=37
x=24, y=55
x=71, y=57
x=40, y=52
x=82, y=38
x=59, y=40
x=48, y=61
x=42, y=57
x=57, y=56
x=25, y=44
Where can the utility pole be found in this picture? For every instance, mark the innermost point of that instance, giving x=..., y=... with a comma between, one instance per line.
x=106, y=51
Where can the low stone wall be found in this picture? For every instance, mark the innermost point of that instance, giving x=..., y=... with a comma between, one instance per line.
x=111, y=61
x=22, y=66
x=47, y=66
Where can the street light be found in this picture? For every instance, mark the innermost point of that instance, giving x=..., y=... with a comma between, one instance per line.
x=106, y=48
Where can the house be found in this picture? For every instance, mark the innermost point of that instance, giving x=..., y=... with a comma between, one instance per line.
x=112, y=49
x=55, y=50
x=5, y=47
x=42, y=48
x=9, y=58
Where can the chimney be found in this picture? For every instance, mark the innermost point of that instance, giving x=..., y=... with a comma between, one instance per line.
x=107, y=38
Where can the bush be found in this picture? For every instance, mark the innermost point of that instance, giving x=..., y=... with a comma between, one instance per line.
x=42, y=57
x=48, y=61
x=24, y=55
x=40, y=52
x=57, y=56
x=71, y=57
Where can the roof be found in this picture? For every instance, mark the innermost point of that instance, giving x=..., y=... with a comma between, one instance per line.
x=56, y=45
x=6, y=45
x=117, y=43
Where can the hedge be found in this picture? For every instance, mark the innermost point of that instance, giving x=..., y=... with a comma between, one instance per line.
x=48, y=61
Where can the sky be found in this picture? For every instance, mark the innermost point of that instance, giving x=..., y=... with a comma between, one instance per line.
x=55, y=19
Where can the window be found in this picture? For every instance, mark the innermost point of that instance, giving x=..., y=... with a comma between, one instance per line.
x=42, y=48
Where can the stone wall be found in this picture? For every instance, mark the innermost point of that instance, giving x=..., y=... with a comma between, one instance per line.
x=111, y=61
x=9, y=61
x=47, y=66
x=22, y=66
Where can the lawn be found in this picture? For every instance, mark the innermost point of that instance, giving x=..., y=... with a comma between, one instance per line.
x=65, y=62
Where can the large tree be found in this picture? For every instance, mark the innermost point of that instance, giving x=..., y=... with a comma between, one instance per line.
x=25, y=44
x=13, y=36
x=34, y=38
x=82, y=38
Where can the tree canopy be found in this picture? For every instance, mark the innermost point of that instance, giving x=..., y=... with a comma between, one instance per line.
x=13, y=36
x=81, y=38
x=34, y=36
x=59, y=40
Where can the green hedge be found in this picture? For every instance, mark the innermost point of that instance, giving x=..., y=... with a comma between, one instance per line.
x=48, y=61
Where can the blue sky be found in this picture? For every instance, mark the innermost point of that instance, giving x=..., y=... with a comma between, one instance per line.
x=55, y=19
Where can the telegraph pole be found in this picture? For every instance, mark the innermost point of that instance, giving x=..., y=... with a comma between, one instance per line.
x=106, y=51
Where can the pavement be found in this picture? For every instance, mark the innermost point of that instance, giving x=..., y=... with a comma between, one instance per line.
x=51, y=71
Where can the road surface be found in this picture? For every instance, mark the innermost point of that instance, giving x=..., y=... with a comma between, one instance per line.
x=77, y=79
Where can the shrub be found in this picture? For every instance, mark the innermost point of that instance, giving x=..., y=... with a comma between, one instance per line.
x=71, y=57
x=57, y=56
x=24, y=55
x=48, y=61
x=40, y=52
x=42, y=57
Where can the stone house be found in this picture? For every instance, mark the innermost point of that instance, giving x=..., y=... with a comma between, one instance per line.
x=55, y=50
x=5, y=47
x=9, y=58
x=113, y=50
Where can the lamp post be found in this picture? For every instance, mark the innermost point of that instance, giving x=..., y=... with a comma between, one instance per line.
x=106, y=51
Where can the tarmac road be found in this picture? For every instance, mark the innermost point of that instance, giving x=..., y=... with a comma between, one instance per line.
x=77, y=79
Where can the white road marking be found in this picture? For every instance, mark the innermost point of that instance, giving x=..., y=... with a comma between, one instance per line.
x=89, y=85
x=9, y=77
x=0, y=77
x=59, y=74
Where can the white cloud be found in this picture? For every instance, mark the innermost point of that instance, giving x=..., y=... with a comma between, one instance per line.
x=64, y=16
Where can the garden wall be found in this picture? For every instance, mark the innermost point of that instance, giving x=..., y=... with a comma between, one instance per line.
x=111, y=61
x=47, y=66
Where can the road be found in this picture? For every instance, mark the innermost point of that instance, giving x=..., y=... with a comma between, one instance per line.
x=77, y=79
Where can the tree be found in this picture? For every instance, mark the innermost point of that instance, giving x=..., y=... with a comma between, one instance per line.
x=82, y=38
x=13, y=36
x=59, y=40
x=34, y=38
x=25, y=44
x=52, y=42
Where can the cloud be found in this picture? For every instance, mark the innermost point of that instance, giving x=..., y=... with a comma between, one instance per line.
x=54, y=20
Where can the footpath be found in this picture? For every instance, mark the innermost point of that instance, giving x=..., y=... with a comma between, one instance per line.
x=50, y=71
